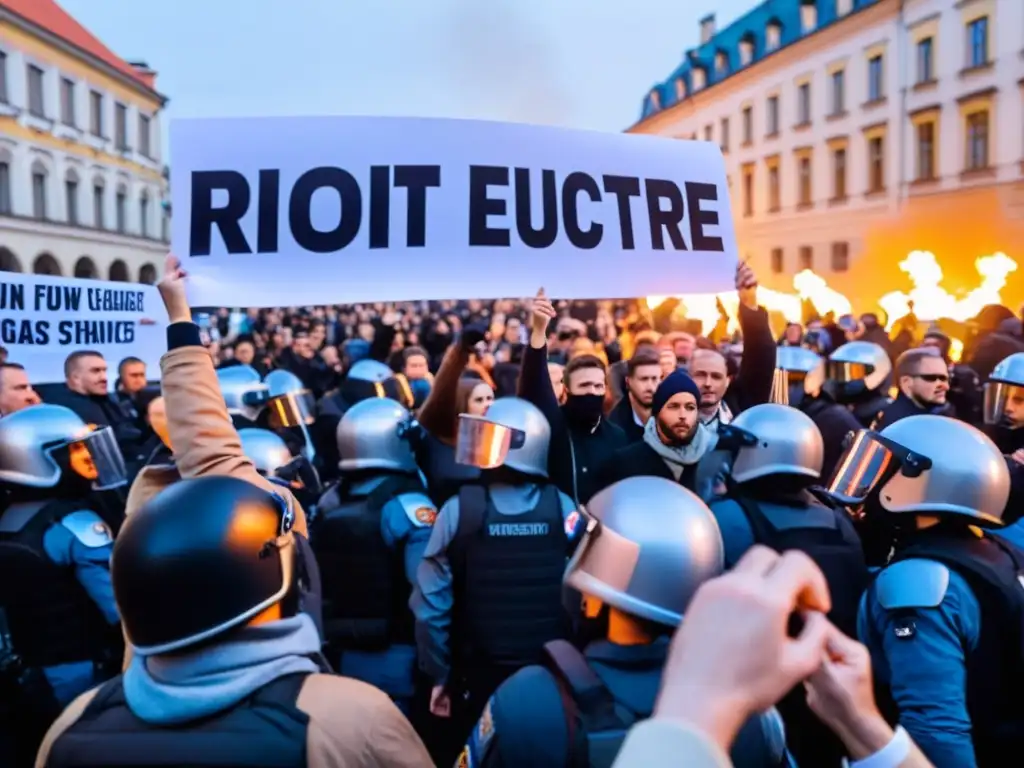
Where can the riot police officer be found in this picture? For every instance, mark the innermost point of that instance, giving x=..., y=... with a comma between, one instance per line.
x=769, y=503
x=61, y=635
x=858, y=376
x=650, y=543
x=1003, y=413
x=944, y=619
x=799, y=380
x=291, y=408
x=369, y=537
x=225, y=669
x=488, y=592
x=244, y=393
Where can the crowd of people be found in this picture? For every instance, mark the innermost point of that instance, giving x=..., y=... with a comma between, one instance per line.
x=517, y=533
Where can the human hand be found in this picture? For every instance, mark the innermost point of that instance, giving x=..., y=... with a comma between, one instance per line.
x=172, y=291
x=746, y=285
x=440, y=702
x=542, y=312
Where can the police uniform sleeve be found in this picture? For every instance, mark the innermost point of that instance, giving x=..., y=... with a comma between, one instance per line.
x=737, y=537
x=574, y=523
x=432, y=596
x=920, y=618
x=409, y=519
x=82, y=541
x=523, y=723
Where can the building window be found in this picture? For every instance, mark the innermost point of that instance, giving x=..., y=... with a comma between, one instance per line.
x=772, y=36
x=778, y=264
x=838, y=92
x=748, y=192
x=680, y=89
x=773, y=115
x=67, y=102
x=804, y=167
x=121, y=127
x=925, y=63
x=843, y=7
x=698, y=78
x=876, y=164
x=144, y=135
x=121, y=212
x=839, y=174
x=804, y=104
x=808, y=17
x=35, y=92
x=805, y=258
x=71, y=197
x=39, y=193
x=876, y=82
x=5, y=188
x=97, y=206
x=3, y=78
x=977, y=141
x=96, y=113
x=748, y=125
x=746, y=51
x=709, y=132
x=774, y=193
x=925, y=151
x=977, y=42
x=144, y=215
x=840, y=257
x=725, y=134
x=721, y=63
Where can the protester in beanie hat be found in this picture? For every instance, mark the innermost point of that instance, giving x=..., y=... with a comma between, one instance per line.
x=675, y=431
x=674, y=384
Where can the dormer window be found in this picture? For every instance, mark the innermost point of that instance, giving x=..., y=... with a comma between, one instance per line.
x=773, y=36
x=655, y=99
x=680, y=89
x=808, y=16
x=721, y=63
x=746, y=50
x=843, y=7
x=698, y=78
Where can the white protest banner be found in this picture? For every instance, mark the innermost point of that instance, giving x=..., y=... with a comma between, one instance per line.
x=44, y=319
x=340, y=210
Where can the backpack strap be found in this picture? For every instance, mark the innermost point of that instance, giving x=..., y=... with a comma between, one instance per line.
x=282, y=692
x=589, y=705
x=759, y=525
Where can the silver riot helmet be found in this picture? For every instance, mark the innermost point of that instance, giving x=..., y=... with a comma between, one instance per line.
x=39, y=444
x=787, y=443
x=925, y=465
x=649, y=544
x=290, y=403
x=377, y=434
x=244, y=393
x=859, y=361
x=264, y=449
x=512, y=433
x=798, y=371
x=1004, y=393
x=371, y=378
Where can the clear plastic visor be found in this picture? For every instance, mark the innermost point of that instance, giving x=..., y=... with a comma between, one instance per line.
x=292, y=410
x=96, y=456
x=1004, y=404
x=836, y=370
x=485, y=444
x=864, y=464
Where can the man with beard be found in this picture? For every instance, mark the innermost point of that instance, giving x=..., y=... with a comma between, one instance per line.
x=923, y=379
x=631, y=413
x=581, y=438
x=674, y=440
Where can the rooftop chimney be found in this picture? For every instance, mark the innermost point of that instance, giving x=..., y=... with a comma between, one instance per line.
x=707, y=28
x=143, y=69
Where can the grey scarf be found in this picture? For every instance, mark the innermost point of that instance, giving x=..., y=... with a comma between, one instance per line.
x=678, y=457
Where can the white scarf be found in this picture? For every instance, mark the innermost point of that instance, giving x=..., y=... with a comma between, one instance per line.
x=679, y=457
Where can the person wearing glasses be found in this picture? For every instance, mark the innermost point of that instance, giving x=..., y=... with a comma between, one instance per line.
x=944, y=619
x=647, y=546
x=922, y=377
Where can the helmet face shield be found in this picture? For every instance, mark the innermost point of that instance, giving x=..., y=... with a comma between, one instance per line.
x=1004, y=404
x=868, y=463
x=97, y=457
x=843, y=372
x=291, y=410
x=485, y=444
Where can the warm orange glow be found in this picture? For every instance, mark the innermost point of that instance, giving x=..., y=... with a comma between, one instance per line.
x=81, y=461
x=252, y=526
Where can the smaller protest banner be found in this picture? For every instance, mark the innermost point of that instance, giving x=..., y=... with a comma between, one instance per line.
x=45, y=319
x=341, y=210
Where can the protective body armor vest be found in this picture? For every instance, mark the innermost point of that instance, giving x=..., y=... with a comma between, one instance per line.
x=829, y=539
x=266, y=730
x=507, y=572
x=365, y=591
x=52, y=619
x=994, y=570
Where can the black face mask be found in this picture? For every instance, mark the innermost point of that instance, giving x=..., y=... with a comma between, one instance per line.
x=584, y=410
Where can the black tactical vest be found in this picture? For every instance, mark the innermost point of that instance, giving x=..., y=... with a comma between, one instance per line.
x=444, y=475
x=365, y=590
x=52, y=619
x=507, y=572
x=994, y=570
x=832, y=543
x=266, y=730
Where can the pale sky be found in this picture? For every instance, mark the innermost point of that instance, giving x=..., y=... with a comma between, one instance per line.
x=562, y=62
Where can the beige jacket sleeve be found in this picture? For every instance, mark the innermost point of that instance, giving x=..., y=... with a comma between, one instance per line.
x=67, y=718
x=667, y=744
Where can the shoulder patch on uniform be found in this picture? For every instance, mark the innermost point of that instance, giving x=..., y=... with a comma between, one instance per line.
x=480, y=739
x=419, y=509
x=571, y=522
x=88, y=528
x=915, y=583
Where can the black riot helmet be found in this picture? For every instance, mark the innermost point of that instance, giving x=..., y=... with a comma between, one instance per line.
x=204, y=556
